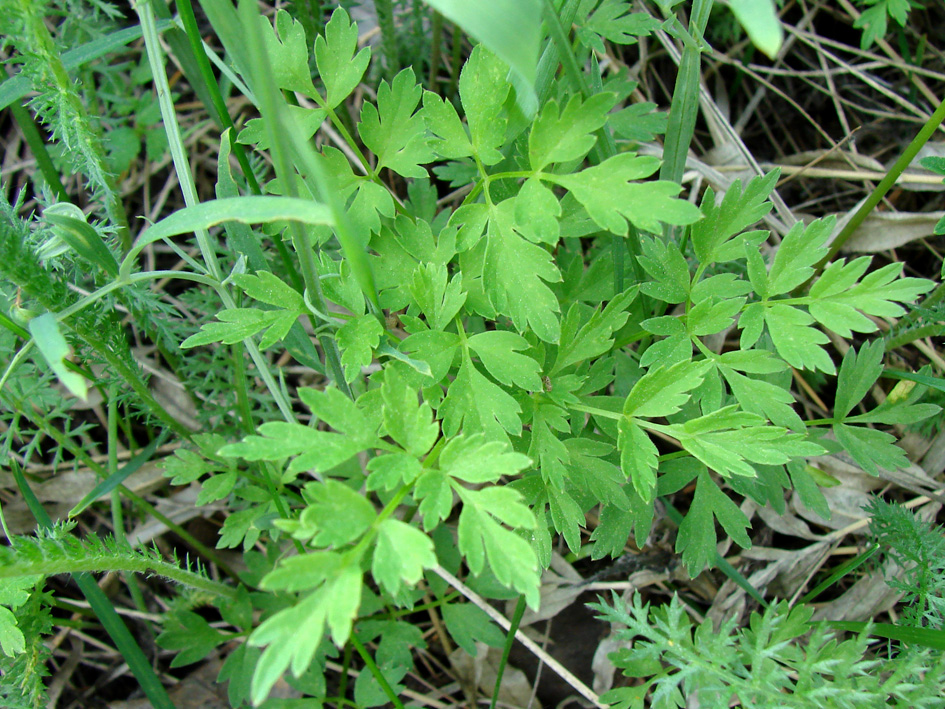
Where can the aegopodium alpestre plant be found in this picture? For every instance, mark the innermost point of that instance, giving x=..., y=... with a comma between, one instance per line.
x=510, y=403
x=551, y=340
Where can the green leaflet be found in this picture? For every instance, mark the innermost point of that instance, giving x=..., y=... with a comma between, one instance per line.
x=476, y=405
x=402, y=553
x=611, y=21
x=339, y=68
x=482, y=89
x=515, y=275
x=569, y=136
x=697, y=538
x=358, y=339
x=392, y=130
x=612, y=199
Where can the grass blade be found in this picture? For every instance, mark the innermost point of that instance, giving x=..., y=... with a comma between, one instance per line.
x=511, y=29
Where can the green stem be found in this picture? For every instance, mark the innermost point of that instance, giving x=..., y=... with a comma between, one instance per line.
x=281, y=148
x=509, y=641
x=685, y=103
x=908, y=155
x=548, y=63
x=70, y=108
x=222, y=116
x=456, y=60
x=606, y=147
x=146, y=507
x=118, y=517
x=93, y=564
x=242, y=395
x=189, y=190
x=596, y=412
x=375, y=670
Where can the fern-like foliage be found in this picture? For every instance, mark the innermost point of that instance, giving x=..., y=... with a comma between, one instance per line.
x=769, y=664
x=23, y=668
x=919, y=548
x=58, y=103
x=57, y=551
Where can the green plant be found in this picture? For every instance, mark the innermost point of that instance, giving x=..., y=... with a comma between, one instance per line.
x=781, y=659
x=497, y=365
x=875, y=18
x=918, y=547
